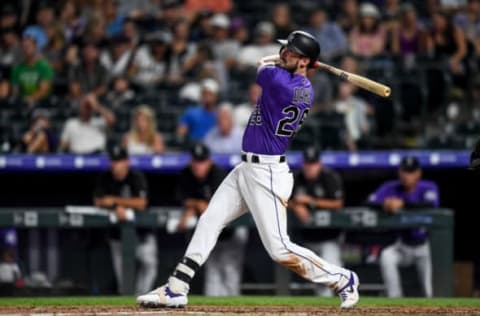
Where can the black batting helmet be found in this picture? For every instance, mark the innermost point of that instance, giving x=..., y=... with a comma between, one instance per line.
x=302, y=43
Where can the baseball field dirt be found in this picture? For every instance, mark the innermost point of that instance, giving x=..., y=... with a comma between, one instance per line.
x=245, y=305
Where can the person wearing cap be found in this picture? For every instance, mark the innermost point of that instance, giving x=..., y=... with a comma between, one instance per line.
x=198, y=120
x=40, y=137
x=87, y=133
x=318, y=188
x=196, y=185
x=122, y=190
x=263, y=45
x=32, y=78
x=368, y=37
x=150, y=63
x=412, y=246
x=225, y=49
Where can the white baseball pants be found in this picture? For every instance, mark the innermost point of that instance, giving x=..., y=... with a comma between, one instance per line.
x=399, y=254
x=263, y=189
x=146, y=254
x=330, y=251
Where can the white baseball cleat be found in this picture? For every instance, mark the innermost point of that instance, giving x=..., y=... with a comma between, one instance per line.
x=349, y=292
x=162, y=297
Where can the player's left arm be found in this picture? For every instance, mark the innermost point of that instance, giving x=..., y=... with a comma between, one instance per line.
x=335, y=193
x=139, y=200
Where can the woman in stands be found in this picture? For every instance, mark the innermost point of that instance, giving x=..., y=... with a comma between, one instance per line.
x=367, y=39
x=408, y=38
x=143, y=137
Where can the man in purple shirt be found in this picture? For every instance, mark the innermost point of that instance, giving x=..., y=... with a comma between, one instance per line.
x=262, y=183
x=408, y=192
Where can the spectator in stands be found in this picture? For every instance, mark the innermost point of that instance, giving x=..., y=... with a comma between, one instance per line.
x=412, y=247
x=86, y=74
x=124, y=190
x=172, y=11
x=180, y=51
x=45, y=15
x=150, y=64
x=202, y=64
x=334, y=42
x=348, y=17
x=95, y=30
x=218, y=6
x=143, y=137
x=9, y=269
x=130, y=32
x=197, y=183
x=318, y=188
x=391, y=11
x=282, y=21
x=468, y=20
x=86, y=134
x=10, y=52
x=54, y=50
x=117, y=58
x=120, y=93
x=239, y=30
x=197, y=121
x=114, y=21
x=32, y=78
x=408, y=38
x=9, y=17
x=225, y=137
x=72, y=24
x=10, y=48
x=263, y=35
x=201, y=28
x=224, y=48
x=367, y=38
x=356, y=112
x=448, y=41
x=242, y=112
x=40, y=138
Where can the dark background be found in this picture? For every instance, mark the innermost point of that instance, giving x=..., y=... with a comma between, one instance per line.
x=89, y=249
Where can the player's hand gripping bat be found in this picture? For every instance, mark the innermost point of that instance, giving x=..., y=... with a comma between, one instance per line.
x=360, y=81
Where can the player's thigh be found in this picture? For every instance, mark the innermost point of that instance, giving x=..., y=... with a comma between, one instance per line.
x=266, y=189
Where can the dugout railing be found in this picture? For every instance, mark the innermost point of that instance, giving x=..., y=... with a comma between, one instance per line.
x=439, y=222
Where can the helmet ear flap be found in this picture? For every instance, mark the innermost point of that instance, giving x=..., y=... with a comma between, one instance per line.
x=281, y=49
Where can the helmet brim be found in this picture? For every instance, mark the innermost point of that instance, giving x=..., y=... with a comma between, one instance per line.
x=282, y=42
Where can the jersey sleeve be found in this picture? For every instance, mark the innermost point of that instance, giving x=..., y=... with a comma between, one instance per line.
x=46, y=71
x=266, y=75
x=298, y=187
x=380, y=194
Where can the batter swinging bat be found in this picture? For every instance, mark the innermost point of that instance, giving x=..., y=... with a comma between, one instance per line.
x=360, y=81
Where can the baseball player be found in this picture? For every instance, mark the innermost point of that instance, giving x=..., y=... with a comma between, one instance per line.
x=412, y=246
x=262, y=183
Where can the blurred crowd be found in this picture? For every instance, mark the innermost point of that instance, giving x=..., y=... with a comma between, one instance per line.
x=157, y=75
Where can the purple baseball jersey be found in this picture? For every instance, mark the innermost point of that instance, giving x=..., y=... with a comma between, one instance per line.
x=425, y=193
x=281, y=109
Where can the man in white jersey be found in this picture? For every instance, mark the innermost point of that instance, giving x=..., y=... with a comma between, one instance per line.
x=262, y=183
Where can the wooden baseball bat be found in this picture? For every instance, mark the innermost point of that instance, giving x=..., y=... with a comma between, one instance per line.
x=360, y=81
